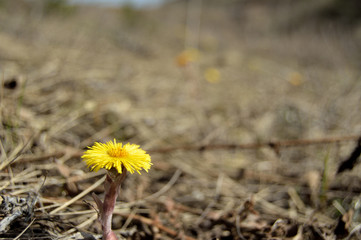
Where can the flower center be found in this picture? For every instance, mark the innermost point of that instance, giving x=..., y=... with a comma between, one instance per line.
x=117, y=152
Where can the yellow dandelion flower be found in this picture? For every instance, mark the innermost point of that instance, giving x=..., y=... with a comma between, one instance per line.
x=187, y=56
x=295, y=78
x=115, y=155
x=212, y=75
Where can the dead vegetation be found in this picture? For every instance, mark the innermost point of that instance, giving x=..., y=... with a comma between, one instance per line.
x=253, y=155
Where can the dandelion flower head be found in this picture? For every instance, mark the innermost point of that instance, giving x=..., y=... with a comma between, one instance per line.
x=116, y=155
x=212, y=75
x=187, y=56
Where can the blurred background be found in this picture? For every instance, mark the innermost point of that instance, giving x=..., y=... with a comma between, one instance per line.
x=185, y=73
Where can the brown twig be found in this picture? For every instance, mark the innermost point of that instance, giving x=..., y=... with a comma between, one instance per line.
x=275, y=145
x=271, y=144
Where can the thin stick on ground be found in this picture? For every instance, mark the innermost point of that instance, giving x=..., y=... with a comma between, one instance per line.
x=80, y=195
x=82, y=225
x=27, y=227
x=271, y=144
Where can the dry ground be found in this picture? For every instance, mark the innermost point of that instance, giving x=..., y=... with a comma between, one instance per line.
x=81, y=75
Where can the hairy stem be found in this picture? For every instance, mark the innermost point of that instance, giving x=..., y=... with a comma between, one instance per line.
x=112, y=188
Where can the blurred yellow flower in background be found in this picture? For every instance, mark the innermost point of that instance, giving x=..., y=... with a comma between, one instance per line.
x=115, y=155
x=295, y=78
x=187, y=56
x=212, y=75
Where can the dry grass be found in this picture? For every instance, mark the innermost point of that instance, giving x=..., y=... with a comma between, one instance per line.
x=94, y=76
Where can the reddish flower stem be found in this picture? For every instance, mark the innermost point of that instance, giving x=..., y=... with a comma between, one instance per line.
x=106, y=208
